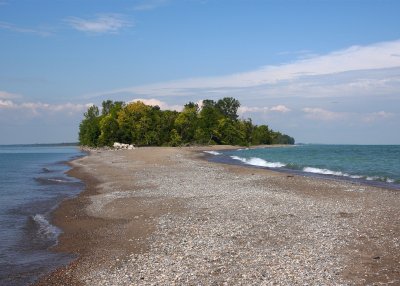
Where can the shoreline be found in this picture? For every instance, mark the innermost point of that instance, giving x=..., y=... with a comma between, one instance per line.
x=324, y=174
x=119, y=221
x=319, y=176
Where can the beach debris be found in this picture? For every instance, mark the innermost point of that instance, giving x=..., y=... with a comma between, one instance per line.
x=122, y=146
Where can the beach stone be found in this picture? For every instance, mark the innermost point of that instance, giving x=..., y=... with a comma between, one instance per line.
x=237, y=226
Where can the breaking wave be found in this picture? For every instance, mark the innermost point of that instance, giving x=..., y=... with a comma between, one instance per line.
x=341, y=174
x=371, y=165
x=243, y=149
x=259, y=162
x=324, y=172
x=254, y=161
x=212, y=152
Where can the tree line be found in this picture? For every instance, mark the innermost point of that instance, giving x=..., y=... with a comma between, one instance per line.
x=215, y=122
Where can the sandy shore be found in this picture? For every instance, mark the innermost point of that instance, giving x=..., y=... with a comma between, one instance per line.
x=164, y=216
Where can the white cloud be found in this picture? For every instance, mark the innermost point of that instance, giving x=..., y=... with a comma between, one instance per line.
x=280, y=108
x=365, y=69
x=6, y=104
x=104, y=23
x=264, y=109
x=7, y=95
x=37, y=108
x=323, y=114
x=375, y=116
x=161, y=104
x=34, y=31
x=254, y=109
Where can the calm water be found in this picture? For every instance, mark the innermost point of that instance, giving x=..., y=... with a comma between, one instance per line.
x=370, y=164
x=32, y=183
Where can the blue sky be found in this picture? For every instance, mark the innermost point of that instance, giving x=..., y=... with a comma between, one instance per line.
x=321, y=71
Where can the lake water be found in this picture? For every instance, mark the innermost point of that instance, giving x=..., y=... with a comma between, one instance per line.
x=377, y=165
x=32, y=183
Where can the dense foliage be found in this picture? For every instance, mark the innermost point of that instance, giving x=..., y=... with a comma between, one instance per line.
x=216, y=122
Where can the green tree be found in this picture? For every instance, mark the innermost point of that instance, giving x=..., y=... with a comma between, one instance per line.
x=279, y=138
x=261, y=135
x=111, y=107
x=140, y=124
x=89, y=129
x=109, y=131
x=208, y=119
x=247, y=129
x=228, y=106
x=192, y=105
x=186, y=123
x=201, y=137
x=134, y=121
x=175, y=138
x=167, y=123
x=228, y=132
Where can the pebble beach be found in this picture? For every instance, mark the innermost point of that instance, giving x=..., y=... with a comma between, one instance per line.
x=167, y=216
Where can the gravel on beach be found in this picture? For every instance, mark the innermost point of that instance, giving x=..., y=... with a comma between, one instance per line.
x=214, y=224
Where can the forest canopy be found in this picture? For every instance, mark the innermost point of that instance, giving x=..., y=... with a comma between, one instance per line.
x=215, y=122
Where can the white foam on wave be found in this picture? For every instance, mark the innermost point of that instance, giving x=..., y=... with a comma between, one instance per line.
x=338, y=173
x=356, y=177
x=382, y=179
x=324, y=171
x=212, y=152
x=371, y=178
x=45, y=227
x=258, y=162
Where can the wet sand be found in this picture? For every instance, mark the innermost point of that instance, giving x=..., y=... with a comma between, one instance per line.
x=165, y=216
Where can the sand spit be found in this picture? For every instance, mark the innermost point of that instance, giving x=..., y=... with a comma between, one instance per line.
x=163, y=216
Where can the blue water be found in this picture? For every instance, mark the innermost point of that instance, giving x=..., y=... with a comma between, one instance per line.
x=370, y=164
x=32, y=183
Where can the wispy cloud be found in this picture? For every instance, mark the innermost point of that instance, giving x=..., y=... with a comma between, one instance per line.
x=302, y=54
x=163, y=105
x=101, y=24
x=252, y=109
x=280, y=108
x=6, y=103
x=37, y=108
x=17, y=29
x=360, y=69
x=323, y=114
x=264, y=109
x=8, y=95
x=375, y=116
x=150, y=5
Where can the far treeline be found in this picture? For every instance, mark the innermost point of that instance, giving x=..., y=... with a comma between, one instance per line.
x=215, y=122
